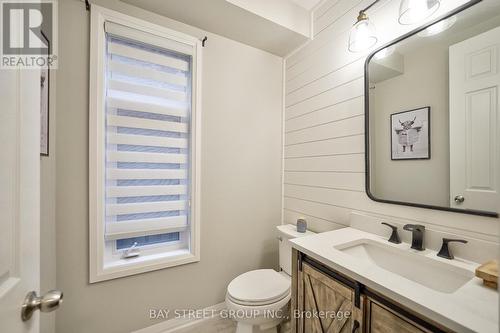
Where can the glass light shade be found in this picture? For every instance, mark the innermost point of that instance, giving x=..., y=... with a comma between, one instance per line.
x=438, y=27
x=363, y=36
x=414, y=11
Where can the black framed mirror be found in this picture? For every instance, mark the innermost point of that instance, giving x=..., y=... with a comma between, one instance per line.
x=432, y=114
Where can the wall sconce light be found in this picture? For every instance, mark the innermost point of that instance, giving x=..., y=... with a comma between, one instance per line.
x=363, y=34
x=414, y=11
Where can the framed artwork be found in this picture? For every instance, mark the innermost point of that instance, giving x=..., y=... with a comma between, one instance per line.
x=411, y=135
x=44, y=106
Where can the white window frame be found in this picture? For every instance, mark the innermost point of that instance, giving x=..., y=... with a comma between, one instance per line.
x=101, y=266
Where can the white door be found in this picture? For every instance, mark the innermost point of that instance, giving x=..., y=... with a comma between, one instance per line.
x=19, y=196
x=475, y=123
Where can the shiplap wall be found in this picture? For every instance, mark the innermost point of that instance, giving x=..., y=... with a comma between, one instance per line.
x=324, y=127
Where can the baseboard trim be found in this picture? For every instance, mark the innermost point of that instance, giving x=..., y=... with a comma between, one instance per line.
x=178, y=325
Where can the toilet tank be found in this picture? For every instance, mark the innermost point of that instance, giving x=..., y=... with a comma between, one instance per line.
x=285, y=233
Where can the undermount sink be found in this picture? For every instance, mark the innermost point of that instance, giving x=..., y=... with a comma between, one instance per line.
x=416, y=267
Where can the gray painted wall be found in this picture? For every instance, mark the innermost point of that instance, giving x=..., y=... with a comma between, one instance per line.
x=423, y=83
x=241, y=181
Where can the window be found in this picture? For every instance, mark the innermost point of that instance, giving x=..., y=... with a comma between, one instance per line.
x=144, y=147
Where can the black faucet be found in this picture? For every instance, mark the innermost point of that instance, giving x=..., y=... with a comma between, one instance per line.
x=417, y=239
x=445, y=251
x=394, y=235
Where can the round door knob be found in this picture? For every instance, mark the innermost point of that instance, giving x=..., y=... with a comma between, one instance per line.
x=47, y=303
x=459, y=199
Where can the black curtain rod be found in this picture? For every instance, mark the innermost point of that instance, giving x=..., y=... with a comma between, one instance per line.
x=87, y=7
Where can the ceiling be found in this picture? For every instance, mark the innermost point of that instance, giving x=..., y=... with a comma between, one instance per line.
x=306, y=4
x=277, y=26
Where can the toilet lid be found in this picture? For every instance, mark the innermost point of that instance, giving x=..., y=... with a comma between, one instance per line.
x=259, y=287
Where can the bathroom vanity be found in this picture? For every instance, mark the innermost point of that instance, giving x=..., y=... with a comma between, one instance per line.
x=385, y=287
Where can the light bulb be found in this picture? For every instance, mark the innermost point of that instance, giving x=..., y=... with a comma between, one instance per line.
x=414, y=11
x=363, y=35
x=438, y=27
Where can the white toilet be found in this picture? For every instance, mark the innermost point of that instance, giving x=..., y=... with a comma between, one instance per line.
x=258, y=300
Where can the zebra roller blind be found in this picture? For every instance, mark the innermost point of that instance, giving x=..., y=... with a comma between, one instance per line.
x=147, y=138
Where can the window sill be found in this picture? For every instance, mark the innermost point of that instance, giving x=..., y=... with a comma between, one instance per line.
x=142, y=264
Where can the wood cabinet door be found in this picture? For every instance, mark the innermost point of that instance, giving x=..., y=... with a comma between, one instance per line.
x=380, y=319
x=326, y=305
x=319, y=294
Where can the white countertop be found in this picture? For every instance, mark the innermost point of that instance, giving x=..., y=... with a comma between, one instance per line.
x=471, y=308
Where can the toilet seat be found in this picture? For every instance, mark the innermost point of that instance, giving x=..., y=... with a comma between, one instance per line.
x=258, y=287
